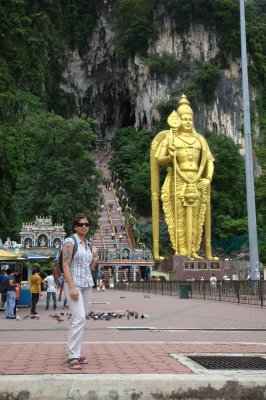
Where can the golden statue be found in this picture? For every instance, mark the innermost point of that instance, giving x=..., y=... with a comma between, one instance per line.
x=185, y=193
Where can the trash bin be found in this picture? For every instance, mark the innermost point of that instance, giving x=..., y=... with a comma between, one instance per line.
x=25, y=296
x=183, y=291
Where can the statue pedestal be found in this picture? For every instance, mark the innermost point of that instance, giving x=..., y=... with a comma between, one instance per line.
x=181, y=268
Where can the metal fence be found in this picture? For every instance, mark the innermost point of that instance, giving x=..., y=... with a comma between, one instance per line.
x=245, y=292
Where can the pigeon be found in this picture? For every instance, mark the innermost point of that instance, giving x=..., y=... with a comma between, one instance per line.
x=91, y=314
x=142, y=316
x=136, y=315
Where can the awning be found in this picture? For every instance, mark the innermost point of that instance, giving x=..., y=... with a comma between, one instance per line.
x=6, y=255
x=33, y=256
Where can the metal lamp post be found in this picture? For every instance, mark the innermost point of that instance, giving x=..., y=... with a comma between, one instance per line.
x=251, y=206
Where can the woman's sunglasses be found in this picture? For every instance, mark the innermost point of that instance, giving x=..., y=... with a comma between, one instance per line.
x=81, y=224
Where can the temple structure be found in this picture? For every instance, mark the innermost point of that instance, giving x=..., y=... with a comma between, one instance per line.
x=126, y=264
x=42, y=233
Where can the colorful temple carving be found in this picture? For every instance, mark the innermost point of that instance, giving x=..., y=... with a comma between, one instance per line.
x=42, y=233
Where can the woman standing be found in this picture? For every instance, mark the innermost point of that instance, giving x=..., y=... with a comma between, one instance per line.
x=78, y=284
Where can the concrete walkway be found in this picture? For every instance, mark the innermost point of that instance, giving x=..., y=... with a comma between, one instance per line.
x=143, y=358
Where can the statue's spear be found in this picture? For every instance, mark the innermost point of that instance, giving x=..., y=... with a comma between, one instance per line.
x=174, y=122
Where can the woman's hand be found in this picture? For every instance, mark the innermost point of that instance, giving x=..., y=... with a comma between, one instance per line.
x=94, y=251
x=74, y=293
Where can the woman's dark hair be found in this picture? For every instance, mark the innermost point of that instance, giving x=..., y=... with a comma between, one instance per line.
x=78, y=217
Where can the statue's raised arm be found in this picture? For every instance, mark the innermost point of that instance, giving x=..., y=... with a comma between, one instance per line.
x=185, y=194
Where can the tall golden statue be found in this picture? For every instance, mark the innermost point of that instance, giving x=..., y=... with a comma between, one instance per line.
x=185, y=193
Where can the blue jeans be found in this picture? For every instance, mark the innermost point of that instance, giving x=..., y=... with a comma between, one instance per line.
x=48, y=299
x=10, y=303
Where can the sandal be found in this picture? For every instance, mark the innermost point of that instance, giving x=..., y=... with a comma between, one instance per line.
x=74, y=363
x=81, y=360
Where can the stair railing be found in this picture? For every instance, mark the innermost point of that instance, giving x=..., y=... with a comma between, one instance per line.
x=103, y=240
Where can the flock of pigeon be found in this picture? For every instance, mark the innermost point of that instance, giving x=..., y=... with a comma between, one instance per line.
x=55, y=316
x=112, y=315
x=107, y=316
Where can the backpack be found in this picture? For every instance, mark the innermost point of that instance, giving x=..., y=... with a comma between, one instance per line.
x=4, y=285
x=58, y=264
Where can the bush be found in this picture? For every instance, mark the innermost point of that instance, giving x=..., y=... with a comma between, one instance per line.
x=164, y=64
x=206, y=80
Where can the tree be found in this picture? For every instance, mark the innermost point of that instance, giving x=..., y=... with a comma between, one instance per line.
x=14, y=145
x=134, y=26
x=141, y=192
x=228, y=190
x=59, y=177
x=131, y=162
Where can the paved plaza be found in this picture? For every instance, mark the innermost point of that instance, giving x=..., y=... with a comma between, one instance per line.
x=155, y=346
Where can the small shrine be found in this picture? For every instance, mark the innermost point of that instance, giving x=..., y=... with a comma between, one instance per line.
x=42, y=233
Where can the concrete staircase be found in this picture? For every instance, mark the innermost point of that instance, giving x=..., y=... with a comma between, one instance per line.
x=111, y=223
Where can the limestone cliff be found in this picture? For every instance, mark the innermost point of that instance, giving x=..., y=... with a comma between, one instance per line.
x=120, y=95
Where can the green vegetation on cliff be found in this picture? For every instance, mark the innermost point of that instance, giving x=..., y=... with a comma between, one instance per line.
x=44, y=161
x=34, y=108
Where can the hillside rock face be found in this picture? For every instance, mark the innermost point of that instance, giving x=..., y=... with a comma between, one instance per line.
x=118, y=95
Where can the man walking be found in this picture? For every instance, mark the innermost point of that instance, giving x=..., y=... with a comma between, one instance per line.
x=51, y=290
x=11, y=295
x=213, y=281
x=35, y=289
x=3, y=281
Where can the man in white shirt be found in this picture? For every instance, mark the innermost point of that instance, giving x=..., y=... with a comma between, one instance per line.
x=51, y=290
x=213, y=281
